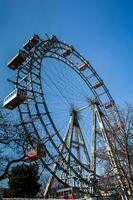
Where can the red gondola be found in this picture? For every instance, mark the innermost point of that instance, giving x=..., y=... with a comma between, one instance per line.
x=109, y=105
x=34, y=154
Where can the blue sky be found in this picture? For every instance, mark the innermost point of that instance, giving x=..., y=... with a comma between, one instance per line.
x=102, y=30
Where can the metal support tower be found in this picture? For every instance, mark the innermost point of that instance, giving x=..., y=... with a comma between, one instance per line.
x=93, y=152
x=75, y=142
x=104, y=125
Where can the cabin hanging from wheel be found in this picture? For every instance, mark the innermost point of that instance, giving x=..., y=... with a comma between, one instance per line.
x=109, y=105
x=97, y=84
x=50, y=42
x=83, y=66
x=15, y=98
x=32, y=42
x=67, y=52
x=17, y=60
x=34, y=154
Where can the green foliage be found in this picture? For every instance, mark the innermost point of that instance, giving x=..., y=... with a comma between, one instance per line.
x=23, y=181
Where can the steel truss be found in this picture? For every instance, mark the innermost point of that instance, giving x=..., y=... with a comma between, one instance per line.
x=37, y=121
x=75, y=141
x=100, y=120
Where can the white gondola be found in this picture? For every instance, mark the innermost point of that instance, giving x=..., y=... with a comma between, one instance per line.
x=15, y=98
x=36, y=153
x=31, y=42
x=17, y=60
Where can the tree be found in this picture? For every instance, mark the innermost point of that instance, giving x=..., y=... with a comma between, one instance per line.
x=8, y=139
x=23, y=181
x=125, y=152
x=123, y=149
x=12, y=143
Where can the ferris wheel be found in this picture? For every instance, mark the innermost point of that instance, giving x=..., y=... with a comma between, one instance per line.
x=64, y=106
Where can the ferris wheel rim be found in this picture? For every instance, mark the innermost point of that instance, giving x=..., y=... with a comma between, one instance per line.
x=58, y=57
